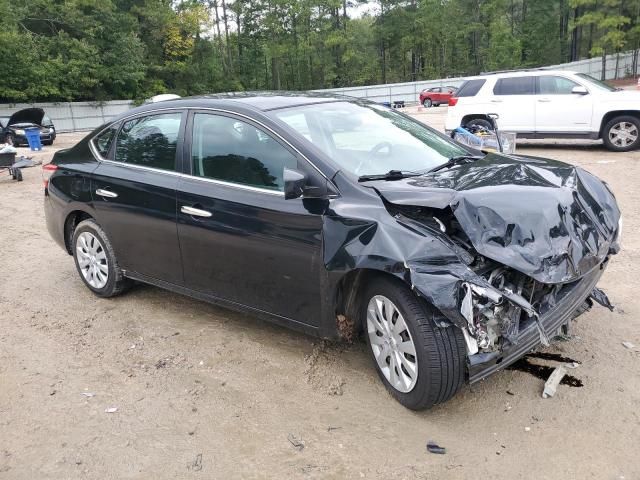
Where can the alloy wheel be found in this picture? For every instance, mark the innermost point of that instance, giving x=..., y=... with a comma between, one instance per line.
x=391, y=343
x=92, y=260
x=623, y=134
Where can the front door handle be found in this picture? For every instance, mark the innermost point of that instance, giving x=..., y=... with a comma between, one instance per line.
x=195, y=212
x=496, y=101
x=544, y=100
x=106, y=193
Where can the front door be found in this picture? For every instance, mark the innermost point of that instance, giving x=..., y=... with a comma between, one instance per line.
x=240, y=239
x=558, y=110
x=134, y=193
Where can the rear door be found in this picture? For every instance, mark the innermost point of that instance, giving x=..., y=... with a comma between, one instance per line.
x=558, y=110
x=240, y=239
x=513, y=98
x=134, y=193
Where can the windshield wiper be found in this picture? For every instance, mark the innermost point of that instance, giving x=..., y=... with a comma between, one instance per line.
x=455, y=161
x=390, y=175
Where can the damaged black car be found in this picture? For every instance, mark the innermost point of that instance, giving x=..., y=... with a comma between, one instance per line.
x=339, y=217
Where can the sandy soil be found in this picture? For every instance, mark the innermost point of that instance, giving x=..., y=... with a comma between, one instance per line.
x=202, y=392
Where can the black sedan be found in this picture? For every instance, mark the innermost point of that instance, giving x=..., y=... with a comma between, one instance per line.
x=12, y=129
x=453, y=263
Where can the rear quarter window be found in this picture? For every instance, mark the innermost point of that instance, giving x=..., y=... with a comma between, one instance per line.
x=470, y=88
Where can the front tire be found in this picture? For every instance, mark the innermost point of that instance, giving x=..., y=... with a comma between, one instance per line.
x=622, y=134
x=420, y=363
x=96, y=261
x=427, y=103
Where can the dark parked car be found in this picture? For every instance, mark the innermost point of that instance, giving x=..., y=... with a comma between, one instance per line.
x=12, y=128
x=451, y=262
x=436, y=96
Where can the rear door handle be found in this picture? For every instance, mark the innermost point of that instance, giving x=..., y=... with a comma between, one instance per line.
x=195, y=212
x=544, y=100
x=496, y=101
x=106, y=193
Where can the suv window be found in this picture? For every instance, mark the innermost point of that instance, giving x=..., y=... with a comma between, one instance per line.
x=149, y=141
x=470, y=88
x=552, y=85
x=103, y=141
x=515, y=86
x=230, y=150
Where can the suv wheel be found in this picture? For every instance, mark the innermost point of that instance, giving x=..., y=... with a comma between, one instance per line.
x=419, y=363
x=480, y=122
x=427, y=103
x=96, y=262
x=622, y=134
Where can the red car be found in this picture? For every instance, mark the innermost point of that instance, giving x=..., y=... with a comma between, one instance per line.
x=436, y=96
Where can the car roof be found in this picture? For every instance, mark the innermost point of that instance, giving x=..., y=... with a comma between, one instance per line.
x=256, y=101
x=520, y=73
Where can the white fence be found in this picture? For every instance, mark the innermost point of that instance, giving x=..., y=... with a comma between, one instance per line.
x=74, y=116
x=77, y=116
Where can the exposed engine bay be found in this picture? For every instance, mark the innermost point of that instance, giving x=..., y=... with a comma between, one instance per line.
x=494, y=316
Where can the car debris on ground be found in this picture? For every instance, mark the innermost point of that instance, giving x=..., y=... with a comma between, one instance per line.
x=628, y=345
x=297, y=442
x=111, y=410
x=435, y=448
x=551, y=385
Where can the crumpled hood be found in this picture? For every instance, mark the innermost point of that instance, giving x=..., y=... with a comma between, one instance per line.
x=546, y=219
x=27, y=115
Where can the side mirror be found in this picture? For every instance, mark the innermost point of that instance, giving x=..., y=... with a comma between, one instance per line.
x=294, y=183
x=579, y=90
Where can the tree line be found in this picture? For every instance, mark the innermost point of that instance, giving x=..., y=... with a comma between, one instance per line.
x=64, y=50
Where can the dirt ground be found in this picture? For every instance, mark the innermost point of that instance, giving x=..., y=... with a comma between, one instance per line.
x=202, y=392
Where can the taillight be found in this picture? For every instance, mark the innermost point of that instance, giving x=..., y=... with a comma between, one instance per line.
x=47, y=171
x=453, y=101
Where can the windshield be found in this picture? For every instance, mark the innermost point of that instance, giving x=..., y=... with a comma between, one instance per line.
x=596, y=83
x=369, y=139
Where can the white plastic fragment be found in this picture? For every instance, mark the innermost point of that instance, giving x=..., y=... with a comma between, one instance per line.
x=88, y=394
x=551, y=385
x=111, y=410
x=628, y=345
x=527, y=429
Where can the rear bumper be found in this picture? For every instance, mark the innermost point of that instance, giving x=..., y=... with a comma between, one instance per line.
x=484, y=364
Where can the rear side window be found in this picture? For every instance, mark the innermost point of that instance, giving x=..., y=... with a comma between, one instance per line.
x=552, y=85
x=149, y=141
x=515, y=86
x=470, y=88
x=103, y=141
x=230, y=150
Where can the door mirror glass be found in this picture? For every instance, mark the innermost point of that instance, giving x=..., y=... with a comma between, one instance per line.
x=294, y=183
x=579, y=90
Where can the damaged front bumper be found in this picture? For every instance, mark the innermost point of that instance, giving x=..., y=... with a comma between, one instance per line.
x=568, y=301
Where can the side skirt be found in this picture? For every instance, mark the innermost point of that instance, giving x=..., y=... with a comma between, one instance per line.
x=238, y=307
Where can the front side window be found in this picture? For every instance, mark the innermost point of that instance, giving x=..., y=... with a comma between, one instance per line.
x=369, y=139
x=515, y=86
x=226, y=149
x=553, y=85
x=149, y=141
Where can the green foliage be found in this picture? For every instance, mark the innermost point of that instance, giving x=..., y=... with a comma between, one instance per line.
x=57, y=50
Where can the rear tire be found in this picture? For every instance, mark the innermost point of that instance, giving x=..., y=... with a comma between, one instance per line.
x=427, y=103
x=96, y=261
x=622, y=134
x=480, y=122
x=440, y=353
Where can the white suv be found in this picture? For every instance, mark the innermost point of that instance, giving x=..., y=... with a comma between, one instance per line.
x=550, y=104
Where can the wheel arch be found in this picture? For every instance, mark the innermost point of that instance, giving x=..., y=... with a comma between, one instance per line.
x=70, y=223
x=348, y=297
x=474, y=116
x=616, y=113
